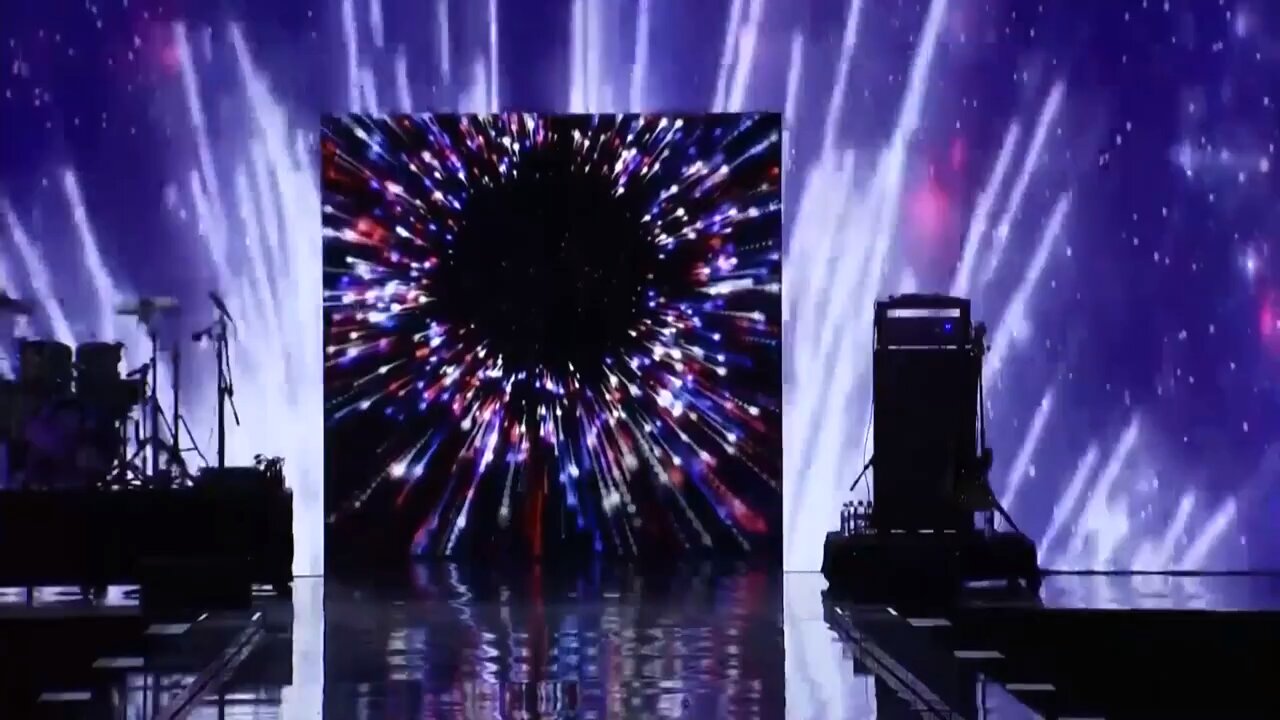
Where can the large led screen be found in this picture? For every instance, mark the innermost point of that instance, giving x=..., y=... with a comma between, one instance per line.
x=553, y=336
x=1099, y=176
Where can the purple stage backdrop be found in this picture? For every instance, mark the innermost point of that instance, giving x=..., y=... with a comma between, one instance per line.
x=1099, y=176
x=556, y=335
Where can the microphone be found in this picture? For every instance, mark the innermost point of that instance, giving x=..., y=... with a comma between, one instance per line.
x=222, y=306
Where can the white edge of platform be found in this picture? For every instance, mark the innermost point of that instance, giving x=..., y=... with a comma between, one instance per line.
x=978, y=655
x=1030, y=687
x=168, y=628
x=119, y=663
x=66, y=696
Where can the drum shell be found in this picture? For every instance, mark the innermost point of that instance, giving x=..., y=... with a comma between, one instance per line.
x=69, y=444
x=19, y=404
x=47, y=365
x=112, y=401
x=97, y=363
x=10, y=409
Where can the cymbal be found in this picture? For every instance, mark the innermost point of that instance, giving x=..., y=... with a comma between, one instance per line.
x=148, y=306
x=13, y=305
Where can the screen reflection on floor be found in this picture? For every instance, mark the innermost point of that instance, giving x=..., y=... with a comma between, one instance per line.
x=696, y=643
x=1162, y=592
x=688, y=642
x=832, y=678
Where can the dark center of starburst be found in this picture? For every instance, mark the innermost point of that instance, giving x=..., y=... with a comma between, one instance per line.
x=548, y=267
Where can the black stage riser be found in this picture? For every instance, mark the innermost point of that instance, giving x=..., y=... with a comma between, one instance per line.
x=98, y=538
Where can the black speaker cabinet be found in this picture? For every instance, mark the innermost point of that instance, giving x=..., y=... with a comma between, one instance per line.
x=925, y=390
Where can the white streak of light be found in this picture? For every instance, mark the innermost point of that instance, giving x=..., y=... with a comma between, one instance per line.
x=1161, y=557
x=38, y=276
x=727, y=55
x=1196, y=555
x=892, y=171
x=849, y=41
x=351, y=43
x=404, y=98
x=1015, y=327
x=1066, y=503
x=1030, y=442
x=475, y=98
x=376, y=24
x=747, y=38
x=1102, y=524
x=594, y=55
x=981, y=218
x=794, y=69
x=442, y=39
x=578, y=76
x=91, y=255
x=494, y=69
x=1035, y=156
x=640, y=60
x=214, y=233
x=369, y=90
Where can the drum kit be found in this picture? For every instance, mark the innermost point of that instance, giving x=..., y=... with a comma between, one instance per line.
x=71, y=418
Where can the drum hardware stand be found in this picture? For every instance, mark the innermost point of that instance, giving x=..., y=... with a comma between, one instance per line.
x=154, y=444
x=176, y=459
x=175, y=467
x=218, y=332
x=126, y=471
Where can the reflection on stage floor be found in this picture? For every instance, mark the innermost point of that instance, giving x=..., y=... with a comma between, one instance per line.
x=1157, y=646
x=871, y=662
x=67, y=655
x=1227, y=592
x=452, y=643
x=687, y=642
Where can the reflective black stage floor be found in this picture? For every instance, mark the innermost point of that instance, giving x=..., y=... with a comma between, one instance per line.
x=693, y=642
x=721, y=642
x=65, y=656
x=690, y=642
x=1146, y=646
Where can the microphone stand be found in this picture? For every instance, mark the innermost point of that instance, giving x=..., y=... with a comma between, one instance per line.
x=153, y=415
x=985, y=456
x=224, y=391
x=226, y=385
x=219, y=332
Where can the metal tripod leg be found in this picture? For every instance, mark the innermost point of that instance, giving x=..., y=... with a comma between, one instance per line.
x=128, y=467
x=175, y=460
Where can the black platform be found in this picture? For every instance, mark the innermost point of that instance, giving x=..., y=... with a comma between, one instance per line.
x=98, y=537
x=924, y=564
